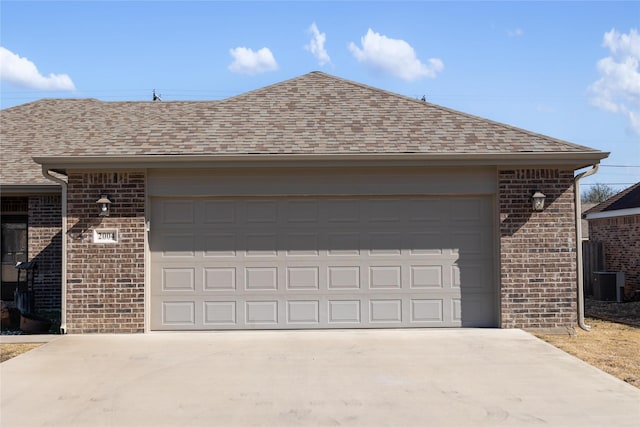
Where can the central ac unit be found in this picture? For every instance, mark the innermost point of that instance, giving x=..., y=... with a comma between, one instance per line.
x=608, y=285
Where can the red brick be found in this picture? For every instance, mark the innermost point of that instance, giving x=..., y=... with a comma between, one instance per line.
x=535, y=248
x=111, y=274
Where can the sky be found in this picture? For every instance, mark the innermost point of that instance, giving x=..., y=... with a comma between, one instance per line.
x=570, y=70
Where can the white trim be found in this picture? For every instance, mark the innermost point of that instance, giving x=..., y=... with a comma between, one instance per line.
x=577, y=159
x=613, y=214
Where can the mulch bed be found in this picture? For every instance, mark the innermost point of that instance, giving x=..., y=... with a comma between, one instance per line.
x=627, y=313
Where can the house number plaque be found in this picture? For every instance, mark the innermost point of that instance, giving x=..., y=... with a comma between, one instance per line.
x=105, y=235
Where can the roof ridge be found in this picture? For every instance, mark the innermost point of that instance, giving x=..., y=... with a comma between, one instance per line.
x=449, y=110
x=49, y=101
x=266, y=88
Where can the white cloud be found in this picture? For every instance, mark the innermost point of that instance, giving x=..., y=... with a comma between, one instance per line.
x=518, y=32
x=393, y=56
x=22, y=72
x=246, y=61
x=316, y=45
x=618, y=89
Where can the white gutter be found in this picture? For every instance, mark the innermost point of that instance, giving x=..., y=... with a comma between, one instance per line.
x=63, y=232
x=578, y=204
x=55, y=163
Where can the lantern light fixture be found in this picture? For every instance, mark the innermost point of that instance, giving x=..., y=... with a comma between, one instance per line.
x=104, y=205
x=537, y=201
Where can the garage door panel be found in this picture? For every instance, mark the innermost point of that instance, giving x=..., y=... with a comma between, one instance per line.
x=346, y=243
x=425, y=243
x=303, y=278
x=178, y=279
x=385, y=243
x=261, y=313
x=260, y=244
x=343, y=277
x=300, y=211
x=427, y=311
x=426, y=276
x=344, y=312
x=385, y=311
x=220, y=212
x=382, y=211
x=467, y=210
x=472, y=275
x=385, y=277
x=219, y=278
x=303, y=312
x=240, y=263
x=300, y=244
x=176, y=212
x=343, y=211
x=181, y=245
x=428, y=210
x=261, y=212
x=471, y=309
x=219, y=245
x=261, y=279
x=219, y=313
x=179, y=313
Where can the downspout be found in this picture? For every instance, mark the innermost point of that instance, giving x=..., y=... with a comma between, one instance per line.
x=580, y=272
x=63, y=278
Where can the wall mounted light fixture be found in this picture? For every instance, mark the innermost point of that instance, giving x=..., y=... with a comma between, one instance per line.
x=103, y=204
x=537, y=201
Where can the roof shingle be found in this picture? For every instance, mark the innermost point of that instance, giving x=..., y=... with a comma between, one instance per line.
x=312, y=114
x=628, y=198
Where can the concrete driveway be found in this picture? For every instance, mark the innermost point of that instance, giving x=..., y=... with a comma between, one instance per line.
x=311, y=378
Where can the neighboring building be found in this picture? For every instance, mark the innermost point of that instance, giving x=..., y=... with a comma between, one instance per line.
x=312, y=203
x=616, y=223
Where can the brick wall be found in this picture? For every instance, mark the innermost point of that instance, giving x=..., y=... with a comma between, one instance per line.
x=538, y=250
x=621, y=239
x=105, y=281
x=45, y=247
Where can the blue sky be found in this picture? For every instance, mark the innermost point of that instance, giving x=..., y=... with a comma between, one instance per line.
x=564, y=69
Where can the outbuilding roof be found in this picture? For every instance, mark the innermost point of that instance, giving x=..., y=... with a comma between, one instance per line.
x=313, y=114
x=628, y=198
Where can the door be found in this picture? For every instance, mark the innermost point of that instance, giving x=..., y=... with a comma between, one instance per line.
x=321, y=262
x=14, y=250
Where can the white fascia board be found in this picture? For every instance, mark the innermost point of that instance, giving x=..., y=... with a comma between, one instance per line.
x=576, y=160
x=613, y=214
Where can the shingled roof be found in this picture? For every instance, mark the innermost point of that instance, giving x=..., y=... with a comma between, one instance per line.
x=312, y=114
x=628, y=198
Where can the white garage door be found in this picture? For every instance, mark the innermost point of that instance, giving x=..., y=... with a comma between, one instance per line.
x=249, y=263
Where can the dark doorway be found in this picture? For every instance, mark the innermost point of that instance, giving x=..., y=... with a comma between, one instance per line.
x=14, y=250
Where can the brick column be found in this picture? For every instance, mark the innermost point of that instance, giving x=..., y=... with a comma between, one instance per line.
x=45, y=248
x=105, y=281
x=538, y=250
